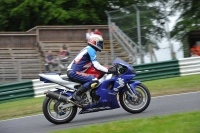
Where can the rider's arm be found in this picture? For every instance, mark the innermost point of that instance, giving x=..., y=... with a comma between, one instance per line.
x=96, y=64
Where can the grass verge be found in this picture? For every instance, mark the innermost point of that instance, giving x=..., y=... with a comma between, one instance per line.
x=157, y=87
x=21, y=108
x=174, y=85
x=176, y=123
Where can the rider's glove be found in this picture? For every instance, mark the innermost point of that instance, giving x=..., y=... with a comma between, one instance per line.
x=112, y=70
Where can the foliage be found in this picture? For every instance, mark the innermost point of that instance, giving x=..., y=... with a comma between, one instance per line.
x=189, y=17
x=21, y=15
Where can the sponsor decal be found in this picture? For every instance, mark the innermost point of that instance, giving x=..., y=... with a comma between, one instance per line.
x=120, y=81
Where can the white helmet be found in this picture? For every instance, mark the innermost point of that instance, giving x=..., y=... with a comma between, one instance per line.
x=96, y=41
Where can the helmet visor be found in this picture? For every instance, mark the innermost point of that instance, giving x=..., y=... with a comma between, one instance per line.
x=100, y=44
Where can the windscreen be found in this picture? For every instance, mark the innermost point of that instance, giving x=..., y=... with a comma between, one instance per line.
x=122, y=62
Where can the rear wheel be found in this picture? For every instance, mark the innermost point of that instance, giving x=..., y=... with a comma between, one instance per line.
x=133, y=105
x=52, y=110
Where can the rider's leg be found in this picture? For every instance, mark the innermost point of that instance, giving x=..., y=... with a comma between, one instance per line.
x=78, y=93
x=87, y=81
x=88, y=85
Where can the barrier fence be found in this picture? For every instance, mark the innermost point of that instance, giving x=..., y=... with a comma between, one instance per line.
x=144, y=72
x=159, y=70
x=17, y=90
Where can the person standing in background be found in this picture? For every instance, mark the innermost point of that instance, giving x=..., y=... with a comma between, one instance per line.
x=195, y=50
x=96, y=31
x=88, y=33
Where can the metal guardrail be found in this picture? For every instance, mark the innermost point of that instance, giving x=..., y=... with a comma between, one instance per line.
x=129, y=46
x=10, y=70
x=19, y=70
x=132, y=56
x=125, y=36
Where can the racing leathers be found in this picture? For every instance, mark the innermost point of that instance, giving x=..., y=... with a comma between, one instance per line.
x=85, y=59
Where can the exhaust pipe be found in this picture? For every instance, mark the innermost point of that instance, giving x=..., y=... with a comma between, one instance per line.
x=60, y=97
x=56, y=96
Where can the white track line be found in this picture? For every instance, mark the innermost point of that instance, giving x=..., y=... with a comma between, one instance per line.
x=176, y=94
x=20, y=117
x=152, y=97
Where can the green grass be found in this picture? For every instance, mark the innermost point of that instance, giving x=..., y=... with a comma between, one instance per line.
x=174, y=85
x=21, y=108
x=176, y=123
x=157, y=87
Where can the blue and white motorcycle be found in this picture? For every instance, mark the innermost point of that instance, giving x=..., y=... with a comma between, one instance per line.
x=59, y=106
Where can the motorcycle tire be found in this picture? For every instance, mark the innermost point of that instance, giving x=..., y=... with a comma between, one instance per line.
x=135, y=106
x=50, y=117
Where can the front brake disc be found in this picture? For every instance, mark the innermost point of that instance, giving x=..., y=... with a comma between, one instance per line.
x=133, y=101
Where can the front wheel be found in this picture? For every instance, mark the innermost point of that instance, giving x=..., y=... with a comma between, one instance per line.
x=133, y=105
x=52, y=110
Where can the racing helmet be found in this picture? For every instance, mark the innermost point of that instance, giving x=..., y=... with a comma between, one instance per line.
x=96, y=41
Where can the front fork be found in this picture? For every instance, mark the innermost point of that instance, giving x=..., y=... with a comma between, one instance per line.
x=132, y=91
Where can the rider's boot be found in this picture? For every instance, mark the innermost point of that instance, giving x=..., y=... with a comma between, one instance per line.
x=78, y=93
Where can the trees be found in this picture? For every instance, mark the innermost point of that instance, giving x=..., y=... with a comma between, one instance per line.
x=189, y=17
x=21, y=15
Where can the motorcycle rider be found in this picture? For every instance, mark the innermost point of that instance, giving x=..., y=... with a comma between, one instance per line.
x=85, y=59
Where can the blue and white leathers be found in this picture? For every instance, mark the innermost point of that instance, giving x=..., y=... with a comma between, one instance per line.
x=85, y=59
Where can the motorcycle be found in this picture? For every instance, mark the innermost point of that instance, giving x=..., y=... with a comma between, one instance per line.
x=59, y=107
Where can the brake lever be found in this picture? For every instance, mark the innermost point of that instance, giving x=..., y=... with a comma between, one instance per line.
x=118, y=72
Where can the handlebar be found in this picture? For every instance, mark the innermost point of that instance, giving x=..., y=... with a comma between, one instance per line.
x=120, y=69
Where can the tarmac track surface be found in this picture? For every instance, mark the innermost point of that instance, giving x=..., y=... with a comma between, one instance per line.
x=159, y=106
